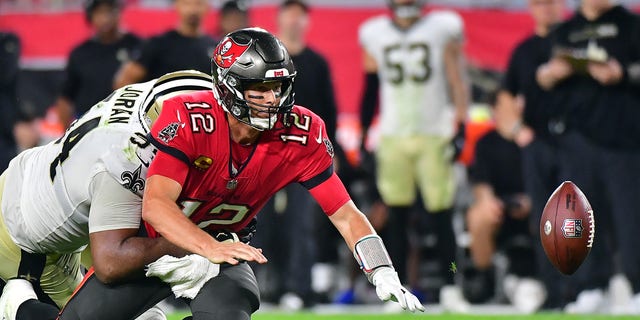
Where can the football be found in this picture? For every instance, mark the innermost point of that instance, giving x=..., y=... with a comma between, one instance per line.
x=567, y=228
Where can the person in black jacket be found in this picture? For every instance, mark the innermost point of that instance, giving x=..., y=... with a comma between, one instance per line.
x=498, y=219
x=93, y=64
x=594, y=78
x=185, y=47
x=234, y=15
x=9, y=58
x=523, y=115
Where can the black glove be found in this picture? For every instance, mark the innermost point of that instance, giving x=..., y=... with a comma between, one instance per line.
x=367, y=162
x=458, y=142
x=245, y=235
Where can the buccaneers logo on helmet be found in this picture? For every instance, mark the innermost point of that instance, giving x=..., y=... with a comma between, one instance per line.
x=227, y=52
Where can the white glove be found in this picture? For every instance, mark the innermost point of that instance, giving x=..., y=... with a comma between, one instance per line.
x=388, y=287
x=185, y=275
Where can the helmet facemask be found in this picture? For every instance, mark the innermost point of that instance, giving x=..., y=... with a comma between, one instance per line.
x=250, y=112
x=406, y=11
x=259, y=58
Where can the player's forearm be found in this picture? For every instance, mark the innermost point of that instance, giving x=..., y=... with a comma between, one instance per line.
x=65, y=110
x=482, y=191
x=129, y=73
x=545, y=77
x=508, y=116
x=351, y=223
x=454, y=66
x=165, y=217
x=460, y=100
x=128, y=258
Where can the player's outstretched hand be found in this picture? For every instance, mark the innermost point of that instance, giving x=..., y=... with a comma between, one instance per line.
x=388, y=287
x=234, y=252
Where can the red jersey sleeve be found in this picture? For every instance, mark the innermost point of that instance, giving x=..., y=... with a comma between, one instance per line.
x=172, y=135
x=316, y=167
x=330, y=194
x=317, y=164
x=168, y=166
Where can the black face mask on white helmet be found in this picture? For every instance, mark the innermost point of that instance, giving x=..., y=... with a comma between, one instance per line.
x=405, y=11
x=245, y=57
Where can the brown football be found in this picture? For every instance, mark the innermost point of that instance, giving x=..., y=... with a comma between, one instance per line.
x=567, y=228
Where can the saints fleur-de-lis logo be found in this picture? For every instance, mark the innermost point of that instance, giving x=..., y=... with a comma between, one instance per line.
x=133, y=180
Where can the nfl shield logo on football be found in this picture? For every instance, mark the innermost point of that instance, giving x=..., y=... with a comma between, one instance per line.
x=572, y=228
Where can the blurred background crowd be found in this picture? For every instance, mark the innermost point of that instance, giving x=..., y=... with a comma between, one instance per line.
x=539, y=91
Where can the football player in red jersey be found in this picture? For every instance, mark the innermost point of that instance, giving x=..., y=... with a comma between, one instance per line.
x=221, y=156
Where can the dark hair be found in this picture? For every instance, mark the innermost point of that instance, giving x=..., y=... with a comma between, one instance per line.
x=91, y=5
x=289, y=3
x=234, y=6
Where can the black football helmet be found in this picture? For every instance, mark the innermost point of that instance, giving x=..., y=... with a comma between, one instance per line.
x=247, y=56
x=406, y=10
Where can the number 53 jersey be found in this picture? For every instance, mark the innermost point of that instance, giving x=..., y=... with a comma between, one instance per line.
x=49, y=189
x=414, y=95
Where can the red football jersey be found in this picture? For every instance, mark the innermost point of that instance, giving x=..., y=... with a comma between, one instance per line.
x=193, y=129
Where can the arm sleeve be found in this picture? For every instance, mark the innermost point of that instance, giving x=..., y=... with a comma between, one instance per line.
x=330, y=194
x=369, y=100
x=112, y=206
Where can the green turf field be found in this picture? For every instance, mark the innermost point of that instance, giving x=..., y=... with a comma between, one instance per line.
x=310, y=316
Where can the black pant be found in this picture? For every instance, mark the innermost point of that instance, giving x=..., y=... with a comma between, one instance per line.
x=287, y=239
x=577, y=158
x=617, y=178
x=546, y=164
x=233, y=294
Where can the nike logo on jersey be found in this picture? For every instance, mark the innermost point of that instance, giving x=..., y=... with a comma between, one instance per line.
x=319, y=138
x=73, y=138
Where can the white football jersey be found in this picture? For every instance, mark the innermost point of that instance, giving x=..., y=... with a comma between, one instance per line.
x=47, y=192
x=414, y=93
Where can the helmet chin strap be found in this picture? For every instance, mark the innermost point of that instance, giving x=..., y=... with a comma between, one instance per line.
x=263, y=123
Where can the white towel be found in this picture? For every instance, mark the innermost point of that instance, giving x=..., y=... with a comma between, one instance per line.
x=185, y=275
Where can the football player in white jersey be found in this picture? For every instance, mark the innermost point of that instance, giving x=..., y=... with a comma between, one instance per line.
x=414, y=65
x=85, y=186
